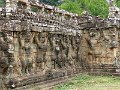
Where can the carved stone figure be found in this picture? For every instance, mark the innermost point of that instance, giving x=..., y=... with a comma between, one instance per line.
x=65, y=51
x=49, y=40
x=72, y=51
x=42, y=50
x=56, y=57
x=77, y=49
x=3, y=48
x=26, y=55
x=94, y=47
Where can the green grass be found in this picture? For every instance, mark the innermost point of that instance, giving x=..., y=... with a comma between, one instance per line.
x=87, y=82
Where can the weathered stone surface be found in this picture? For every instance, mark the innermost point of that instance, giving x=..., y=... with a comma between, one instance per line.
x=49, y=40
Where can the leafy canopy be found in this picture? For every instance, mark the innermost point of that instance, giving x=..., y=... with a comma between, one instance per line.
x=51, y=2
x=2, y=2
x=118, y=3
x=95, y=7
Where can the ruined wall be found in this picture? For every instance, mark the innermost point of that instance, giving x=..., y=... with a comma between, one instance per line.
x=102, y=47
x=42, y=39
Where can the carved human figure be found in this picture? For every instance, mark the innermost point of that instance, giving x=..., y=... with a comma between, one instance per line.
x=42, y=50
x=8, y=64
x=56, y=52
x=77, y=49
x=13, y=62
x=65, y=51
x=26, y=55
x=94, y=47
x=72, y=53
x=3, y=60
x=3, y=48
x=63, y=44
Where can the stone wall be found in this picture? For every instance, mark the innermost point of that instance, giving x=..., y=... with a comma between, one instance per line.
x=37, y=38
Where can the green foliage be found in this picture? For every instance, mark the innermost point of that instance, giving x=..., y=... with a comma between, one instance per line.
x=2, y=2
x=118, y=3
x=51, y=2
x=95, y=7
x=34, y=9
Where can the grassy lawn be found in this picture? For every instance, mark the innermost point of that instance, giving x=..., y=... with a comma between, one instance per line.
x=87, y=82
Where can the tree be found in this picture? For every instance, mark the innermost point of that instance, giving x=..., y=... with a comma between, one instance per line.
x=95, y=7
x=2, y=2
x=118, y=3
x=51, y=2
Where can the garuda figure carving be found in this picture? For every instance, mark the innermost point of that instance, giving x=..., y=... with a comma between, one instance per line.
x=4, y=63
x=41, y=42
x=26, y=55
x=65, y=51
x=56, y=52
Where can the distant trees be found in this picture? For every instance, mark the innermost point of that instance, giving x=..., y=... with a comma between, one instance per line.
x=95, y=7
x=52, y=2
x=2, y=2
x=118, y=3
